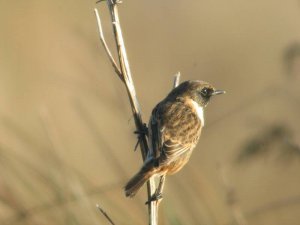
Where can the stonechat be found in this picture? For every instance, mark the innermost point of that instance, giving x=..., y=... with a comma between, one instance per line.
x=173, y=132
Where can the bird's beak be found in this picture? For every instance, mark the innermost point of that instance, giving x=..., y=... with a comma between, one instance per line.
x=218, y=92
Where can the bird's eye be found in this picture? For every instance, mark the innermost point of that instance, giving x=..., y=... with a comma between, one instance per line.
x=204, y=92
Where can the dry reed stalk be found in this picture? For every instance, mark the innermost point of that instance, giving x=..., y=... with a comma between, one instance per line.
x=124, y=73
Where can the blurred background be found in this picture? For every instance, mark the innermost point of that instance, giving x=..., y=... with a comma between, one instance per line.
x=66, y=129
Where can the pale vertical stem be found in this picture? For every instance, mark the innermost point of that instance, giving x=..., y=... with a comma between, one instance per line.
x=176, y=79
x=108, y=52
x=125, y=70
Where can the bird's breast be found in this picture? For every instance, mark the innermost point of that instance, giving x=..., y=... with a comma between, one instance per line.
x=199, y=111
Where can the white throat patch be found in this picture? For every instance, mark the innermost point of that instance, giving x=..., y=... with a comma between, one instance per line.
x=200, y=112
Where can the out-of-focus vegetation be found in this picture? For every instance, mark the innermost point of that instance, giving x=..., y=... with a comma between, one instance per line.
x=66, y=130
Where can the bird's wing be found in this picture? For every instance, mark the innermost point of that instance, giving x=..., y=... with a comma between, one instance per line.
x=155, y=133
x=171, y=125
x=172, y=150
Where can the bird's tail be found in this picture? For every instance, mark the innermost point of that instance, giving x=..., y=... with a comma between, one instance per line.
x=137, y=181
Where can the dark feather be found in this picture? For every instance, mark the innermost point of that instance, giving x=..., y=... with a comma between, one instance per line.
x=174, y=130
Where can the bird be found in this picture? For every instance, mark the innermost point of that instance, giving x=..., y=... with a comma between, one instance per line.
x=173, y=132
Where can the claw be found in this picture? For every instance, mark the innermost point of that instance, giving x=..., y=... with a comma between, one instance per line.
x=154, y=198
x=139, y=133
x=143, y=131
x=137, y=144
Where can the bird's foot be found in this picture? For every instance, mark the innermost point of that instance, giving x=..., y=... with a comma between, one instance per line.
x=139, y=133
x=154, y=198
x=142, y=131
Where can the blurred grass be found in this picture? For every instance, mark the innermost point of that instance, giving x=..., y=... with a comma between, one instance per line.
x=57, y=163
x=274, y=137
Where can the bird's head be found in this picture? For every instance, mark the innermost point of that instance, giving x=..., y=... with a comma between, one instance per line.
x=199, y=91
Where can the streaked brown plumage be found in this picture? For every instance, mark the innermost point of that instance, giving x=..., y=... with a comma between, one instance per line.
x=174, y=130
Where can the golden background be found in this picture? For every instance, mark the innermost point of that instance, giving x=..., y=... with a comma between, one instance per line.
x=66, y=129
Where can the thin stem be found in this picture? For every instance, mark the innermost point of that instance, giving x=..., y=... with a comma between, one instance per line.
x=176, y=79
x=105, y=214
x=127, y=79
x=108, y=52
